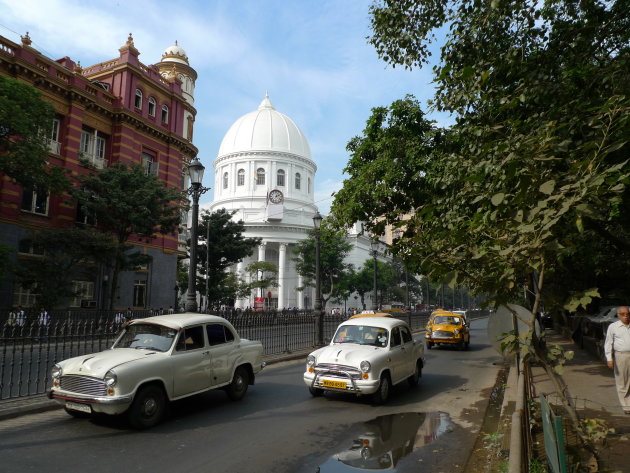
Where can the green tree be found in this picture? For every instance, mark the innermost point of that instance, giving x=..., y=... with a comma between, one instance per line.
x=225, y=246
x=538, y=154
x=25, y=125
x=263, y=275
x=333, y=269
x=534, y=171
x=364, y=282
x=66, y=255
x=126, y=201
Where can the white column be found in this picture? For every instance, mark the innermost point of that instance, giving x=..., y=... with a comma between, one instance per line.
x=239, y=303
x=300, y=294
x=261, y=258
x=282, y=261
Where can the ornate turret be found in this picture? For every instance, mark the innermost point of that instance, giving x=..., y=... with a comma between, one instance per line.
x=175, y=64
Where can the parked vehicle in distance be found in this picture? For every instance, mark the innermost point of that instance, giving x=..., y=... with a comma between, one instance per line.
x=367, y=355
x=447, y=328
x=154, y=361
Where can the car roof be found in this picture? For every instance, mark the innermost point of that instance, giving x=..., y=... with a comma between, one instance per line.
x=180, y=320
x=384, y=322
x=371, y=313
x=447, y=314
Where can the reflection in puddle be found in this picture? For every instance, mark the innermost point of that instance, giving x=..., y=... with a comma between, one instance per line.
x=382, y=442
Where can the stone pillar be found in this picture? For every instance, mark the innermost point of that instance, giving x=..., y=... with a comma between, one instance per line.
x=240, y=303
x=300, y=294
x=282, y=262
x=261, y=258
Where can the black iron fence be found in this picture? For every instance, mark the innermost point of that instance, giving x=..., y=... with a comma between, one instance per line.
x=29, y=349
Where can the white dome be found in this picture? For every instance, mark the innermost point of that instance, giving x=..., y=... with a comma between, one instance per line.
x=175, y=53
x=265, y=129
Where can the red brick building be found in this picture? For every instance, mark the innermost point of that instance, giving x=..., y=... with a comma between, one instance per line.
x=117, y=111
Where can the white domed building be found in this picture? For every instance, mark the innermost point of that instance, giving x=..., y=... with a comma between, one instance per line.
x=265, y=173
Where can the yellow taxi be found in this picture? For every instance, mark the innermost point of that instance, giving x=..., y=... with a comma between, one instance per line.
x=446, y=328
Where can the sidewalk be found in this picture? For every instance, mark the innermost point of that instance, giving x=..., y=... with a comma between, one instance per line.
x=591, y=385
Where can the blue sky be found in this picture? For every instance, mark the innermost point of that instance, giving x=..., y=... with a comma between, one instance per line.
x=310, y=56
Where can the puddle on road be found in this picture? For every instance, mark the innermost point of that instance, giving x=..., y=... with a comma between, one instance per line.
x=380, y=443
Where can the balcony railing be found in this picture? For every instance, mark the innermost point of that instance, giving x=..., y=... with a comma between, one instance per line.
x=54, y=147
x=91, y=160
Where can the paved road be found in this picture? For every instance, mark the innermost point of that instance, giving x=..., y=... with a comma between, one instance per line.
x=278, y=427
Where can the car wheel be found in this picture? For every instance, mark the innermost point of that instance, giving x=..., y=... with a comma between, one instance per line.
x=382, y=394
x=77, y=414
x=316, y=392
x=147, y=408
x=415, y=377
x=238, y=387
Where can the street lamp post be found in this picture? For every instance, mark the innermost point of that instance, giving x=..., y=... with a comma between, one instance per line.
x=317, y=223
x=195, y=171
x=374, y=246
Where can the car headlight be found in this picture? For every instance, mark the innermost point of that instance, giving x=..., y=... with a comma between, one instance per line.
x=56, y=371
x=110, y=378
x=365, y=366
x=310, y=360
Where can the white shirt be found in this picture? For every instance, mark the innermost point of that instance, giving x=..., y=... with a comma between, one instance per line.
x=617, y=339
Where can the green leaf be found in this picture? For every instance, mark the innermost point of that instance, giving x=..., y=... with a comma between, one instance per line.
x=547, y=187
x=579, y=224
x=497, y=198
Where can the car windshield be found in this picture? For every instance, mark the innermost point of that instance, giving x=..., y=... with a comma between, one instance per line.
x=445, y=319
x=362, y=335
x=146, y=337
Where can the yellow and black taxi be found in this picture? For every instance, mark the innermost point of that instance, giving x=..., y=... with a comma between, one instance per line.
x=446, y=328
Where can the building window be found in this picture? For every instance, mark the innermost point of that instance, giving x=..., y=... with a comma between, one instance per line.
x=164, y=113
x=225, y=180
x=83, y=294
x=298, y=180
x=53, y=141
x=140, y=293
x=150, y=164
x=151, y=107
x=26, y=297
x=35, y=202
x=240, y=180
x=84, y=217
x=260, y=177
x=92, y=149
x=26, y=247
x=280, y=178
x=138, y=102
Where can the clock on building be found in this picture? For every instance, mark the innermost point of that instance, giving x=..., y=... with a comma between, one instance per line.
x=276, y=197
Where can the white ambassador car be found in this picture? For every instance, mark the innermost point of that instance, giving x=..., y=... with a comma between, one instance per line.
x=368, y=354
x=154, y=361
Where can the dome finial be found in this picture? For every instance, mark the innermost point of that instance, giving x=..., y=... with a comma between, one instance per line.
x=266, y=103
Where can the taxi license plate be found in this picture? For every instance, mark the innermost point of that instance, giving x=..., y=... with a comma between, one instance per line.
x=328, y=383
x=75, y=406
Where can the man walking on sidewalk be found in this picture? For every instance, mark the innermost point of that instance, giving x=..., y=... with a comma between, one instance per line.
x=617, y=348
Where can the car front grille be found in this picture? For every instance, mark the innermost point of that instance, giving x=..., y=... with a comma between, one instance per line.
x=83, y=385
x=442, y=334
x=327, y=369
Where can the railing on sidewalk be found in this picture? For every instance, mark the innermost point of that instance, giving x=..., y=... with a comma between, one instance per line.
x=520, y=433
x=28, y=351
